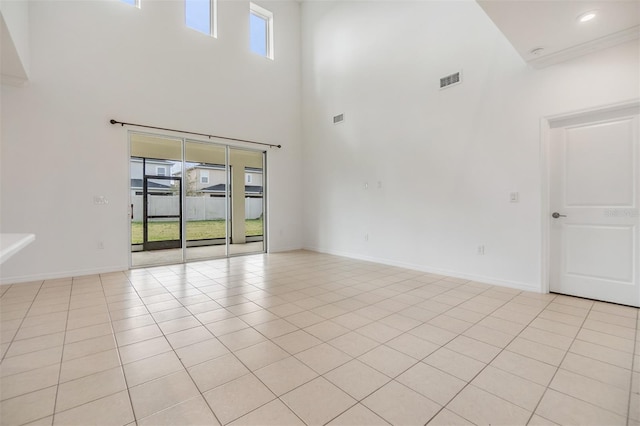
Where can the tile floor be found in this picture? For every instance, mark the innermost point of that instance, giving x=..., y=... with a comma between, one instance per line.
x=305, y=338
x=163, y=257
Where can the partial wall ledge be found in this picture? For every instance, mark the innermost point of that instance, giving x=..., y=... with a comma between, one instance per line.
x=11, y=244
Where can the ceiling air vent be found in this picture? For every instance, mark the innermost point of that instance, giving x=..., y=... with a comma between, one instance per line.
x=338, y=118
x=450, y=80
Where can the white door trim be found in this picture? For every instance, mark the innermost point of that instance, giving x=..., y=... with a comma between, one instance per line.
x=561, y=120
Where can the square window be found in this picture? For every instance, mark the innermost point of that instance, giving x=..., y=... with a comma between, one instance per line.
x=204, y=176
x=161, y=171
x=261, y=31
x=200, y=15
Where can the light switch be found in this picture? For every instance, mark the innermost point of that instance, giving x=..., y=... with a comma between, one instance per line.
x=514, y=197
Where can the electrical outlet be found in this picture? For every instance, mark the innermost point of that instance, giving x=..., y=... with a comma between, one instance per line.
x=366, y=237
x=514, y=197
x=481, y=250
x=100, y=245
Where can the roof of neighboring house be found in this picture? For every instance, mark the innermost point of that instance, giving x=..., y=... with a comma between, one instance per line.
x=203, y=166
x=221, y=187
x=207, y=166
x=137, y=183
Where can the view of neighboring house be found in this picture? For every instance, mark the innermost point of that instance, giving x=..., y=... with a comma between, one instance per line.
x=200, y=176
x=203, y=181
x=138, y=166
x=209, y=179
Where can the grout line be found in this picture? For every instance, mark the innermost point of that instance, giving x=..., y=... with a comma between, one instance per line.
x=113, y=333
x=24, y=317
x=633, y=365
x=64, y=341
x=61, y=353
x=155, y=322
x=447, y=289
x=559, y=364
x=492, y=359
x=383, y=344
x=213, y=336
x=252, y=327
x=304, y=274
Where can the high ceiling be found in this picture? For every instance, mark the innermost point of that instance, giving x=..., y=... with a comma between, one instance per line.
x=555, y=26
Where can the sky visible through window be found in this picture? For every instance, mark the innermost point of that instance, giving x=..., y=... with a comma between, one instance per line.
x=258, y=29
x=198, y=13
x=131, y=2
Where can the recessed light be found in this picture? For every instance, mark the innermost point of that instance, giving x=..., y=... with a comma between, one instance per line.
x=587, y=16
x=536, y=51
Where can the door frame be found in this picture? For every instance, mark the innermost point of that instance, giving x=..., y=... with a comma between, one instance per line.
x=228, y=146
x=602, y=112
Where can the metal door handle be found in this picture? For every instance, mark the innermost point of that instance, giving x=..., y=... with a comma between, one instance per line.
x=556, y=215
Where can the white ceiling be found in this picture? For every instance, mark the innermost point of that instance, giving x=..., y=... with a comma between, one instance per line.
x=553, y=25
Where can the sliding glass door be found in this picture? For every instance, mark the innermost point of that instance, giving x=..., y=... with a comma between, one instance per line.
x=247, y=201
x=194, y=200
x=155, y=200
x=161, y=213
x=206, y=201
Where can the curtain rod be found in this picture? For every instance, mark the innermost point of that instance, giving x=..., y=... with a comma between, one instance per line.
x=112, y=121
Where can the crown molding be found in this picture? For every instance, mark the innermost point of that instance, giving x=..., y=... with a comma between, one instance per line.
x=610, y=40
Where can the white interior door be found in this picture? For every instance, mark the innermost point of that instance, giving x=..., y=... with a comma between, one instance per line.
x=594, y=192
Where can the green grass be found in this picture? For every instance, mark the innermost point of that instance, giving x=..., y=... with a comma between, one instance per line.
x=196, y=230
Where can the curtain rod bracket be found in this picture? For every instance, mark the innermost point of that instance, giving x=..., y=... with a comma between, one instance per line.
x=122, y=124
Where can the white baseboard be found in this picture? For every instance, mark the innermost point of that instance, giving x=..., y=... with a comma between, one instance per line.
x=16, y=279
x=66, y=274
x=416, y=267
x=433, y=270
x=280, y=249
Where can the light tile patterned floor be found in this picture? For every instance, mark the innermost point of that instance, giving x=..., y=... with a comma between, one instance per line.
x=305, y=338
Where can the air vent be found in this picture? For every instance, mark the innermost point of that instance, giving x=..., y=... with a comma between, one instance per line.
x=338, y=119
x=450, y=80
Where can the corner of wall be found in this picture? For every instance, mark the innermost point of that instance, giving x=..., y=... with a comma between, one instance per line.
x=15, y=59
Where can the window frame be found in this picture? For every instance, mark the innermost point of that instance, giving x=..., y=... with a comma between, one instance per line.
x=213, y=19
x=164, y=171
x=204, y=174
x=136, y=3
x=267, y=16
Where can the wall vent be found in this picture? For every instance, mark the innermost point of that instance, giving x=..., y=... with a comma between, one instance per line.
x=338, y=118
x=451, y=79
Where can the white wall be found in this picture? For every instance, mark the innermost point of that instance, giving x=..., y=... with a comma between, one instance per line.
x=447, y=159
x=96, y=60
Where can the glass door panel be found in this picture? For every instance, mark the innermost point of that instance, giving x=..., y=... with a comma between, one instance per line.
x=246, y=201
x=205, y=201
x=162, y=213
x=156, y=200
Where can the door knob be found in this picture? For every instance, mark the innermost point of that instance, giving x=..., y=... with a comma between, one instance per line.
x=556, y=215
